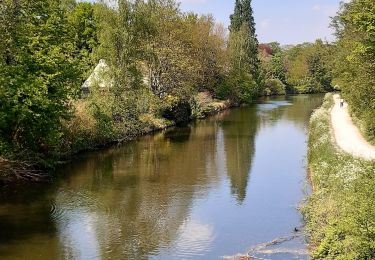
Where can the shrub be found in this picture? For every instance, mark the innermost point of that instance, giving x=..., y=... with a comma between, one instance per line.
x=223, y=90
x=243, y=87
x=274, y=87
x=179, y=112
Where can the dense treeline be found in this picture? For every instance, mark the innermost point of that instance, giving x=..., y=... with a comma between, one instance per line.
x=157, y=59
x=354, y=67
x=303, y=68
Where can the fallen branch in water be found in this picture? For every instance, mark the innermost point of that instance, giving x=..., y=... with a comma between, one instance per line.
x=276, y=241
x=19, y=171
x=260, y=249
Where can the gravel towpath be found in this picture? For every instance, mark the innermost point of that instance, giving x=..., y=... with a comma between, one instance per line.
x=347, y=135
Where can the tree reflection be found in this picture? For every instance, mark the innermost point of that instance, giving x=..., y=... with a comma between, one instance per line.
x=137, y=197
x=134, y=201
x=240, y=128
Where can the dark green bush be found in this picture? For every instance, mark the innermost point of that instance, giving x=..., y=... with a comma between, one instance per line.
x=179, y=112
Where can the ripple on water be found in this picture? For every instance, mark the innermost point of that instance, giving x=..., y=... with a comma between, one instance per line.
x=68, y=201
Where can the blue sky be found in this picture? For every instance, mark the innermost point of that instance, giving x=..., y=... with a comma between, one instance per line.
x=285, y=21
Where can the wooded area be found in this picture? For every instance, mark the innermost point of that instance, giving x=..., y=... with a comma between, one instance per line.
x=159, y=59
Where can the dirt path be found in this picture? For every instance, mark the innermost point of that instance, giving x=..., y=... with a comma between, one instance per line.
x=347, y=135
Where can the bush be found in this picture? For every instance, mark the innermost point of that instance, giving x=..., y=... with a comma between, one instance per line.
x=243, y=88
x=223, y=90
x=309, y=87
x=179, y=112
x=274, y=87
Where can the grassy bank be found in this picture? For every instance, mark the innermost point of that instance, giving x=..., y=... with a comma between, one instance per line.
x=340, y=214
x=88, y=130
x=93, y=127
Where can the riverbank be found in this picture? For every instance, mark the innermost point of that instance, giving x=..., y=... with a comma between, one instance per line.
x=82, y=136
x=340, y=214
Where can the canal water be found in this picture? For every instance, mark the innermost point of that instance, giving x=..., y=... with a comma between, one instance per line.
x=227, y=185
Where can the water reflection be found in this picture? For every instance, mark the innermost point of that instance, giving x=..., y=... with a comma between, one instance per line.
x=239, y=142
x=26, y=224
x=295, y=109
x=143, y=194
x=168, y=195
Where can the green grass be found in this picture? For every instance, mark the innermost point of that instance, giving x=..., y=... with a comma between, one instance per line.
x=340, y=214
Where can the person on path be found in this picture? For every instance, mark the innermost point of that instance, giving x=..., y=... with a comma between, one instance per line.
x=341, y=102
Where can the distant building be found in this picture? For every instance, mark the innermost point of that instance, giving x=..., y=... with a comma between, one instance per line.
x=99, y=78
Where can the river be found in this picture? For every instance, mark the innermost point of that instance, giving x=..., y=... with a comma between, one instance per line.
x=213, y=188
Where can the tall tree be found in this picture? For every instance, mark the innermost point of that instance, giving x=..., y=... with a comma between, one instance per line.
x=236, y=17
x=252, y=47
x=243, y=50
x=248, y=18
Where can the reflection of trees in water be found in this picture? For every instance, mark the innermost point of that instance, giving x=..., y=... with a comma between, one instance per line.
x=24, y=217
x=127, y=202
x=303, y=105
x=240, y=128
x=296, y=109
x=137, y=197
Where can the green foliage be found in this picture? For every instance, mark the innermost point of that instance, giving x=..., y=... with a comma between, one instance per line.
x=115, y=108
x=277, y=67
x=158, y=59
x=275, y=47
x=304, y=68
x=308, y=67
x=317, y=65
x=236, y=17
x=179, y=112
x=37, y=77
x=354, y=66
x=169, y=59
x=274, y=67
x=248, y=19
x=243, y=88
x=83, y=23
x=223, y=90
x=274, y=87
x=208, y=48
x=340, y=214
x=243, y=53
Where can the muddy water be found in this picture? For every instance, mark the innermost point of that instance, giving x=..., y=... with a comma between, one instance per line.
x=217, y=187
